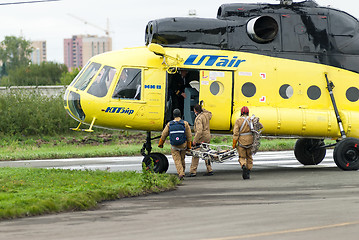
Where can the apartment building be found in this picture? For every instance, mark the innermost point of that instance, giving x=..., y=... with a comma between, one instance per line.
x=39, y=53
x=80, y=48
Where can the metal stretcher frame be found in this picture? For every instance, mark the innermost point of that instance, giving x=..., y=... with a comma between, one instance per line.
x=214, y=153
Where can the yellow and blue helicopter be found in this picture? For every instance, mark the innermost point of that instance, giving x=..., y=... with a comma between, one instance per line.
x=294, y=64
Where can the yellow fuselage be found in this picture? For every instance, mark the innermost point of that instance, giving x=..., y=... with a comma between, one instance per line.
x=290, y=97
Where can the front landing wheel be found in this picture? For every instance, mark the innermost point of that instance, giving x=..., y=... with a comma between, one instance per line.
x=160, y=162
x=346, y=154
x=309, y=151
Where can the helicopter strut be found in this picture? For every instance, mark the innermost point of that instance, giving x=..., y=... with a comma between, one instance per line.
x=330, y=87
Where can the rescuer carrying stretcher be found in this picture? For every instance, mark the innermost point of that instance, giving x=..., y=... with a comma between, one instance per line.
x=246, y=140
x=202, y=135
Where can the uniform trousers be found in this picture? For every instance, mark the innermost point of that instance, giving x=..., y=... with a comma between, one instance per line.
x=178, y=157
x=245, y=157
x=194, y=165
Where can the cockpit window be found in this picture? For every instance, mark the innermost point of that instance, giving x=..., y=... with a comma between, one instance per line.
x=102, y=82
x=79, y=74
x=87, y=76
x=129, y=84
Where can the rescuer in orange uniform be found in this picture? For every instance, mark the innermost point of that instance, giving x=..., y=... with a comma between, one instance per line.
x=177, y=129
x=242, y=135
x=202, y=135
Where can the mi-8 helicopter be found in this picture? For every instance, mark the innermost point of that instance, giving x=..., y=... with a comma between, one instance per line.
x=294, y=64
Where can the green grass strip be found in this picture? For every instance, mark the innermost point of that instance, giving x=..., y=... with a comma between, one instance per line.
x=30, y=192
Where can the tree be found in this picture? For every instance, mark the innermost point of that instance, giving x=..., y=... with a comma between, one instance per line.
x=15, y=52
x=47, y=73
x=68, y=77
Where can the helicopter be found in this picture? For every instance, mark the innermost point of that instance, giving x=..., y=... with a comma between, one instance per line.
x=294, y=64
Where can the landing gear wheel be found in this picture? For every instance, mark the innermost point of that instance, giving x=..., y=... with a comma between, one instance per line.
x=308, y=152
x=346, y=154
x=160, y=162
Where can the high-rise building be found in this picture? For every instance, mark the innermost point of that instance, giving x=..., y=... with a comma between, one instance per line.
x=39, y=53
x=80, y=48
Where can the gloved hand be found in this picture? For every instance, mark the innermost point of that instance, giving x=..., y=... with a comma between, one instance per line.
x=160, y=143
x=234, y=143
x=189, y=144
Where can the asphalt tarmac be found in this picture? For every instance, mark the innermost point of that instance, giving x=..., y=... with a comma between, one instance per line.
x=282, y=200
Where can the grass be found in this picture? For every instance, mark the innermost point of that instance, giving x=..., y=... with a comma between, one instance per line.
x=31, y=192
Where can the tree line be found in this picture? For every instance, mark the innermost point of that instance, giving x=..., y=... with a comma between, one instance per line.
x=18, y=70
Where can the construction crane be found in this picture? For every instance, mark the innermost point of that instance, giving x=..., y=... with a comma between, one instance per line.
x=107, y=30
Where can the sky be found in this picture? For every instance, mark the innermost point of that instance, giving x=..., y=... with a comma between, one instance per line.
x=55, y=21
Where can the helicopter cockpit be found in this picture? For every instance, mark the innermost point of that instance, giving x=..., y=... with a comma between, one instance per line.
x=129, y=91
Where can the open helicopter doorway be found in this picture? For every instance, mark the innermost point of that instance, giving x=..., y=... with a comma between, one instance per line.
x=182, y=93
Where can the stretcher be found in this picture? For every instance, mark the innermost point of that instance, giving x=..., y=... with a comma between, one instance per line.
x=214, y=153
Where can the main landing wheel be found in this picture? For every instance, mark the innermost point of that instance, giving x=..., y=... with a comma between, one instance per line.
x=309, y=151
x=346, y=154
x=160, y=162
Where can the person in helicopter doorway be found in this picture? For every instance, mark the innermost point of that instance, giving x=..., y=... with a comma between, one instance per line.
x=202, y=135
x=243, y=135
x=177, y=87
x=180, y=140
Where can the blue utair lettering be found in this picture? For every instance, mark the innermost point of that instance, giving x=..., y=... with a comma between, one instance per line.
x=120, y=110
x=220, y=61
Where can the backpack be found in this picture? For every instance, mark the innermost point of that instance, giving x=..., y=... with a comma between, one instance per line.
x=177, y=132
x=255, y=127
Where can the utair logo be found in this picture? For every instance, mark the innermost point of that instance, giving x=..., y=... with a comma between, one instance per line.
x=120, y=110
x=210, y=60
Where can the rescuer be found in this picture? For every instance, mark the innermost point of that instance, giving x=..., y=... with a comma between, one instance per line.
x=202, y=135
x=243, y=135
x=180, y=140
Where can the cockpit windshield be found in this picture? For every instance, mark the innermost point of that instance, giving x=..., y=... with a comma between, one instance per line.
x=87, y=76
x=129, y=84
x=102, y=82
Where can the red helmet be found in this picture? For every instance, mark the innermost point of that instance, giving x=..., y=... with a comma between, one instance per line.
x=244, y=110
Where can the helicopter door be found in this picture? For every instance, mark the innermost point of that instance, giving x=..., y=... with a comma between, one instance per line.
x=217, y=94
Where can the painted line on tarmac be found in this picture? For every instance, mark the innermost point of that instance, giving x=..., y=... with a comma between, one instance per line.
x=266, y=234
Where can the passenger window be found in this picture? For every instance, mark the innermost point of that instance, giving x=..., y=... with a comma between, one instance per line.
x=87, y=76
x=129, y=84
x=102, y=82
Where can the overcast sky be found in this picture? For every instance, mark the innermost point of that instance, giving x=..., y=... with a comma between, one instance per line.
x=52, y=21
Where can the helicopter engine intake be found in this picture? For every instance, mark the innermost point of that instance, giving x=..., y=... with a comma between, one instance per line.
x=262, y=29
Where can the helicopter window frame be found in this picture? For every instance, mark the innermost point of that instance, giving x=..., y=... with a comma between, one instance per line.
x=87, y=76
x=129, y=84
x=102, y=82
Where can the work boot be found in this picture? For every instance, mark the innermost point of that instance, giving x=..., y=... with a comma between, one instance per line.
x=245, y=172
x=192, y=175
x=208, y=174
